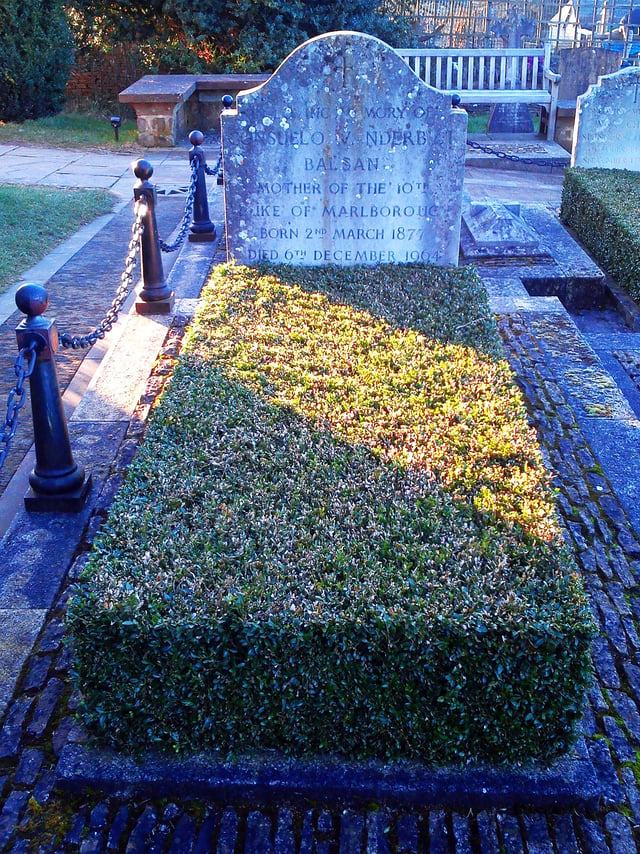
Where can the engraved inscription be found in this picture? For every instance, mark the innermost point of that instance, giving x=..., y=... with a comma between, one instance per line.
x=354, y=162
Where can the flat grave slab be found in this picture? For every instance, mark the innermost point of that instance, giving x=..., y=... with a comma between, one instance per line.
x=557, y=266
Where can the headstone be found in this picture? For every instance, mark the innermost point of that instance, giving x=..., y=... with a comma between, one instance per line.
x=607, y=134
x=344, y=156
x=511, y=118
x=512, y=29
x=565, y=29
x=580, y=67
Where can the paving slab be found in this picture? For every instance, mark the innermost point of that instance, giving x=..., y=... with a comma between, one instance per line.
x=19, y=629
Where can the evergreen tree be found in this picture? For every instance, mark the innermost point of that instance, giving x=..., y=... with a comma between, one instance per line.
x=35, y=58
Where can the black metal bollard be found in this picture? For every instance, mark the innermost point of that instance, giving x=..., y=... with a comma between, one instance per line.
x=155, y=296
x=202, y=229
x=227, y=104
x=57, y=482
x=116, y=121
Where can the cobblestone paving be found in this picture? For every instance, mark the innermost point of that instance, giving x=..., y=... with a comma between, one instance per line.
x=36, y=817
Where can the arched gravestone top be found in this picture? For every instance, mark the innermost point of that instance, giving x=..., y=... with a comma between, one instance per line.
x=343, y=156
x=607, y=130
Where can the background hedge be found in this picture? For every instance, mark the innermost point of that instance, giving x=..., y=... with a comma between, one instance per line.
x=35, y=58
x=602, y=206
x=302, y=558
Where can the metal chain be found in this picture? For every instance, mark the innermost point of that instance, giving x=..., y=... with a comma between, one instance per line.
x=186, y=219
x=24, y=366
x=126, y=279
x=218, y=165
x=503, y=155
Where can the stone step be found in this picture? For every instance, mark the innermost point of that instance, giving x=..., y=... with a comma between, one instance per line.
x=520, y=152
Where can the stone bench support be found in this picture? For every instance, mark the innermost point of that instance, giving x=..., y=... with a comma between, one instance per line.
x=167, y=105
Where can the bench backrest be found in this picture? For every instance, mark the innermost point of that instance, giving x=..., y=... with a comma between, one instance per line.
x=468, y=68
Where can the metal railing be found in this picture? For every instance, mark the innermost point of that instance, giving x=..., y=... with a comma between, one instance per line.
x=57, y=481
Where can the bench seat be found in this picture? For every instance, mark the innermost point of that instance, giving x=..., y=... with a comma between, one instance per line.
x=503, y=96
x=489, y=75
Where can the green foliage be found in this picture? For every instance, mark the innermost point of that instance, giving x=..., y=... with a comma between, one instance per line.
x=601, y=206
x=35, y=58
x=219, y=35
x=71, y=130
x=308, y=554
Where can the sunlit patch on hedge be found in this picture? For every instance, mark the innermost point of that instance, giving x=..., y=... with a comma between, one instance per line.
x=338, y=537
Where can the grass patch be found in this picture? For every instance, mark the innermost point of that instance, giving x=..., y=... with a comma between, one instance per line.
x=71, y=130
x=33, y=220
x=338, y=537
x=601, y=206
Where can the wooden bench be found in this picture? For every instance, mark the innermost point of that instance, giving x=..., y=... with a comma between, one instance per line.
x=167, y=106
x=490, y=76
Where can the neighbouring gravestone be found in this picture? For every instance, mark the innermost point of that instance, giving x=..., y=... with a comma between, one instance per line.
x=343, y=156
x=511, y=118
x=579, y=68
x=607, y=133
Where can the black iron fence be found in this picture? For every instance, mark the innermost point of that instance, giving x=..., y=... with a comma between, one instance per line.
x=57, y=481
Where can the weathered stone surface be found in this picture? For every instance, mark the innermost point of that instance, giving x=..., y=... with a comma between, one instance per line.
x=19, y=628
x=580, y=67
x=497, y=232
x=557, y=267
x=607, y=134
x=569, y=781
x=343, y=156
x=565, y=835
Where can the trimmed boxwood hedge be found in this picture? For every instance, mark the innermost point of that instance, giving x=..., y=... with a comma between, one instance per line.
x=338, y=537
x=602, y=206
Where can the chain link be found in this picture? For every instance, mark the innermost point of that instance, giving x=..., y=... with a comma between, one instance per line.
x=24, y=366
x=126, y=279
x=503, y=155
x=216, y=170
x=186, y=219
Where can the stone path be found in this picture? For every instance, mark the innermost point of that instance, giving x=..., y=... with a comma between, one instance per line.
x=602, y=529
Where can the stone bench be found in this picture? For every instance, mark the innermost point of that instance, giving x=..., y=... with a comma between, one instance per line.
x=490, y=76
x=167, y=106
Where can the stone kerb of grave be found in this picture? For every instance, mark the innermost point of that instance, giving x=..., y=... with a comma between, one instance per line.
x=607, y=130
x=344, y=156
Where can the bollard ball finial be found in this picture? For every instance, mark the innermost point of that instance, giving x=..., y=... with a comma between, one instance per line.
x=32, y=300
x=227, y=101
x=143, y=170
x=196, y=137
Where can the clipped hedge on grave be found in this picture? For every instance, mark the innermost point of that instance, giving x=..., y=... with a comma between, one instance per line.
x=601, y=206
x=338, y=537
